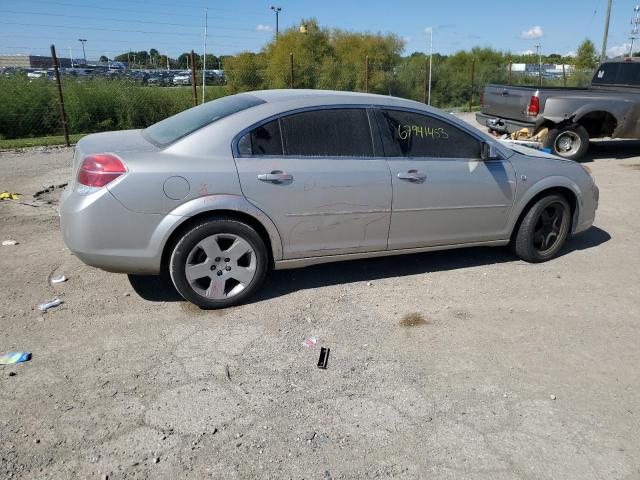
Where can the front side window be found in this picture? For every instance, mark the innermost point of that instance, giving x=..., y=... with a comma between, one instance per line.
x=340, y=132
x=409, y=134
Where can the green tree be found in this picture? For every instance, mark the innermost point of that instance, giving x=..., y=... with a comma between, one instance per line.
x=245, y=71
x=103, y=59
x=309, y=51
x=586, y=56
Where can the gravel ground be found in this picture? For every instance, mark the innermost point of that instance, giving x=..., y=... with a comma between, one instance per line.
x=460, y=364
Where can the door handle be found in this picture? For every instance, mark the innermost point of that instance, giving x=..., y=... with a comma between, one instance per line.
x=275, y=177
x=412, y=176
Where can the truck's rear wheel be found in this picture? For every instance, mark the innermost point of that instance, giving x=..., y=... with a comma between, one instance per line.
x=570, y=142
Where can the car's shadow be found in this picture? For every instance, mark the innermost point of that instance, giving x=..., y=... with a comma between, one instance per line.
x=282, y=282
x=618, y=149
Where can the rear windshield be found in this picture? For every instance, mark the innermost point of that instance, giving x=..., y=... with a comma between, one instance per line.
x=174, y=128
x=623, y=73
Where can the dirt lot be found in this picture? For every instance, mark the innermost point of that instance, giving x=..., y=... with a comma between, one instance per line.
x=519, y=371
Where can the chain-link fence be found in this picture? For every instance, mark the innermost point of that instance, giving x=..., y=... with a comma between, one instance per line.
x=97, y=100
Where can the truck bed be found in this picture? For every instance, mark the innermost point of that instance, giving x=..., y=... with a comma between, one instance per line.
x=512, y=101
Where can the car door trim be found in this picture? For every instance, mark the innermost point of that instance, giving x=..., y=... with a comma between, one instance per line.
x=356, y=212
x=457, y=207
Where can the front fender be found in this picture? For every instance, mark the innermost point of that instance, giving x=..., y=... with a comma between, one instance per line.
x=211, y=203
x=540, y=186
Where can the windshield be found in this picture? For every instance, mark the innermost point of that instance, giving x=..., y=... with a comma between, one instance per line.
x=174, y=128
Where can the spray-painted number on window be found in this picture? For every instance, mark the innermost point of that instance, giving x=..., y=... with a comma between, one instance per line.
x=421, y=131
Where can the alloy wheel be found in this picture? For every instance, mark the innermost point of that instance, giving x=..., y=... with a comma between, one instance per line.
x=549, y=227
x=220, y=266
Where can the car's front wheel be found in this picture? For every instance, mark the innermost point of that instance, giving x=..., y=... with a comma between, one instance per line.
x=543, y=230
x=218, y=263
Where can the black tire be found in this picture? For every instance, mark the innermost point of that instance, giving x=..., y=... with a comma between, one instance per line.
x=184, y=248
x=535, y=241
x=574, y=135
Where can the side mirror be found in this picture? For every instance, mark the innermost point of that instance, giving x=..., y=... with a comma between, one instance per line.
x=488, y=151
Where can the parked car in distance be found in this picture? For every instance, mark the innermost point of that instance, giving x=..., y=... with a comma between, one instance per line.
x=610, y=107
x=220, y=193
x=182, y=78
x=160, y=79
x=33, y=74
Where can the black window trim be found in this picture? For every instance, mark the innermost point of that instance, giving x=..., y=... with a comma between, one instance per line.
x=467, y=129
x=378, y=152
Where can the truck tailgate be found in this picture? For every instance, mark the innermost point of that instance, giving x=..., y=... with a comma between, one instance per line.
x=503, y=101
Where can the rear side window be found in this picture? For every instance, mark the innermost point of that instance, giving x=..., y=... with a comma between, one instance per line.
x=174, y=128
x=262, y=140
x=629, y=74
x=409, y=134
x=606, y=74
x=343, y=132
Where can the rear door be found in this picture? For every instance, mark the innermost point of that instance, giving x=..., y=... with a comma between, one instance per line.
x=316, y=175
x=442, y=192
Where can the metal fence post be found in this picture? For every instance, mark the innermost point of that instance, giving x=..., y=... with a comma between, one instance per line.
x=366, y=74
x=539, y=74
x=63, y=114
x=291, y=70
x=426, y=80
x=510, y=72
x=193, y=79
x=473, y=71
x=564, y=76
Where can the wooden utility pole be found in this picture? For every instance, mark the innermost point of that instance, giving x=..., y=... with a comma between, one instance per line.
x=63, y=114
x=366, y=74
x=473, y=71
x=193, y=79
x=603, y=54
x=291, y=70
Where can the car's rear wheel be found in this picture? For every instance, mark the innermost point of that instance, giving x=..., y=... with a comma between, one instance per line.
x=218, y=263
x=570, y=142
x=543, y=230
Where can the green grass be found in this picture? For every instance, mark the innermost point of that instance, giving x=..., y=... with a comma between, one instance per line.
x=30, y=108
x=38, y=141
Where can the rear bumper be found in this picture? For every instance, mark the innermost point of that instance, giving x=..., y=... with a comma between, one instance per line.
x=102, y=233
x=502, y=125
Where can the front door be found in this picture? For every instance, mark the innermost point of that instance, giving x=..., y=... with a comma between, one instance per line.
x=314, y=173
x=442, y=192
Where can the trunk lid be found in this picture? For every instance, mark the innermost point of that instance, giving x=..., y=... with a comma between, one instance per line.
x=111, y=142
x=510, y=102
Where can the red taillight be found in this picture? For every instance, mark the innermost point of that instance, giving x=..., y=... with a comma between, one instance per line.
x=534, y=106
x=99, y=170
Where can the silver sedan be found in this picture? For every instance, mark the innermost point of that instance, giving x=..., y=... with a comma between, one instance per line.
x=219, y=194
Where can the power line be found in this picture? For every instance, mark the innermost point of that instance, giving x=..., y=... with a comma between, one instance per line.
x=84, y=27
x=82, y=17
x=70, y=40
x=128, y=10
x=96, y=50
x=190, y=5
